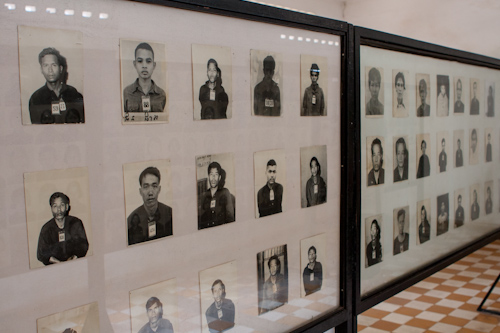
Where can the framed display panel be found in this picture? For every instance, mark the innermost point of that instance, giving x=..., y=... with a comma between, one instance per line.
x=110, y=150
x=418, y=174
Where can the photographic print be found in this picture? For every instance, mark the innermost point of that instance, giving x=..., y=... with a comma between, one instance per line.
x=488, y=133
x=401, y=218
x=423, y=221
x=51, y=75
x=212, y=82
x=154, y=308
x=459, y=211
x=313, y=259
x=373, y=240
x=400, y=99
x=423, y=82
x=490, y=99
x=313, y=85
x=458, y=144
x=266, y=77
x=460, y=85
x=375, y=160
x=218, y=294
x=313, y=175
x=442, y=149
x=270, y=178
x=475, y=202
x=488, y=194
x=149, y=212
x=443, y=95
x=400, y=160
x=475, y=93
x=143, y=67
x=272, y=278
x=216, y=190
x=58, y=216
x=82, y=319
x=474, y=146
x=374, y=91
x=443, y=217
x=423, y=150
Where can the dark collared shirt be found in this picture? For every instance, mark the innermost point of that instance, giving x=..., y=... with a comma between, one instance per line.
x=132, y=98
x=40, y=106
x=264, y=202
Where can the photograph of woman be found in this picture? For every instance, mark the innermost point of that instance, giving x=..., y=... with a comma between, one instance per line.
x=374, y=247
x=213, y=98
x=316, y=186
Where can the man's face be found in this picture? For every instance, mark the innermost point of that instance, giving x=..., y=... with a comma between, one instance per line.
x=271, y=174
x=150, y=189
x=473, y=141
x=214, y=178
x=59, y=208
x=154, y=313
x=314, y=77
x=374, y=88
x=423, y=215
x=373, y=231
x=443, y=207
x=144, y=63
x=273, y=268
x=459, y=91
x=400, y=87
x=443, y=145
x=376, y=157
x=443, y=89
x=51, y=69
x=212, y=72
x=401, y=224
x=311, y=256
x=217, y=292
x=460, y=201
x=400, y=154
x=422, y=93
x=423, y=147
x=475, y=196
x=314, y=168
x=458, y=144
x=474, y=88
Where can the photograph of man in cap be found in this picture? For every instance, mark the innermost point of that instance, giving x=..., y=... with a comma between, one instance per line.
x=313, y=103
x=266, y=94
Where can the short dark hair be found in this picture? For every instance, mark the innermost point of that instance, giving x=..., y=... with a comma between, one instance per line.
x=317, y=163
x=269, y=63
x=61, y=60
x=312, y=248
x=278, y=262
x=377, y=141
x=459, y=197
x=423, y=84
x=219, y=281
x=374, y=75
x=214, y=165
x=421, y=143
x=401, y=212
x=152, y=301
x=400, y=141
x=443, y=140
x=150, y=171
x=144, y=46
x=56, y=195
x=401, y=76
x=271, y=162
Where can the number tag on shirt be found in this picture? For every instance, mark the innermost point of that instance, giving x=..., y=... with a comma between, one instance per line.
x=316, y=189
x=151, y=229
x=62, y=236
x=311, y=276
x=212, y=95
x=56, y=108
x=275, y=288
x=62, y=106
x=146, y=103
x=212, y=203
x=423, y=228
x=313, y=101
x=271, y=195
x=401, y=248
x=373, y=254
x=269, y=103
x=219, y=313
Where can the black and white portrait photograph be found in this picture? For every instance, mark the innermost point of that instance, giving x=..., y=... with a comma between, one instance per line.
x=313, y=261
x=148, y=200
x=58, y=216
x=266, y=82
x=490, y=99
x=270, y=181
x=400, y=98
x=153, y=308
x=443, y=214
x=272, y=278
x=401, y=229
x=423, y=84
x=219, y=295
x=215, y=188
x=423, y=221
x=375, y=160
x=373, y=240
x=212, y=82
x=460, y=209
x=460, y=84
x=443, y=95
x=488, y=148
x=442, y=151
x=400, y=160
x=374, y=91
x=423, y=155
x=143, y=67
x=458, y=148
x=475, y=96
x=474, y=146
x=488, y=197
x=475, y=202
x=51, y=73
x=82, y=319
x=313, y=85
x=313, y=175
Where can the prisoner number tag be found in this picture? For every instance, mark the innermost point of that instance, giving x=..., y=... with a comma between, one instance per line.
x=373, y=254
x=62, y=236
x=401, y=248
x=271, y=195
x=313, y=100
x=269, y=103
x=151, y=229
x=212, y=203
x=219, y=313
x=56, y=108
x=146, y=103
x=423, y=229
x=62, y=106
x=275, y=289
x=316, y=189
x=212, y=95
x=311, y=276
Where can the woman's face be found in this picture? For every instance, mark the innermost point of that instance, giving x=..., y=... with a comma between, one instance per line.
x=314, y=168
x=212, y=72
x=373, y=231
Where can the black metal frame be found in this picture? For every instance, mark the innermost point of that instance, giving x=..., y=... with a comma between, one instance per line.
x=363, y=36
x=340, y=318
x=480, y=307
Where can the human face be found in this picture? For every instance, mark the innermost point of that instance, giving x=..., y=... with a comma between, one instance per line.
x=271, y=174
x=376, y=157
x=314, y=168
x=423, y=146
x=473, y=141
x=474, y=88
x=400, y=88
x=374, y=88
x=443, y=144
x=459, y=91
x=373, y=231
x=443, y=207
x=459, y=143
x=311, y=256
x=154, y=313
x=423, y=214
x=150, y=189
x=51, y=69
x=212, y=72
x=273, y=268
x=443, y=90
x=401, y=224
x=460, y=201
x=314, y=77
x=214, y=178
x=422, y=93
x=59, y=209
x=144, y=63
x=217, y=292
x=400, y=154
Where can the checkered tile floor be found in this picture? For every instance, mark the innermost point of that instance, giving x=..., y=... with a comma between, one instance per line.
x=444, y=302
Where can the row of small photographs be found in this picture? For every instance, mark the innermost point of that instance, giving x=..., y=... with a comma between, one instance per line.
x=144, y=80
x=374, y=93
x=401, y=154
x=401, y=220
x=218, y=294
x=149, y=214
